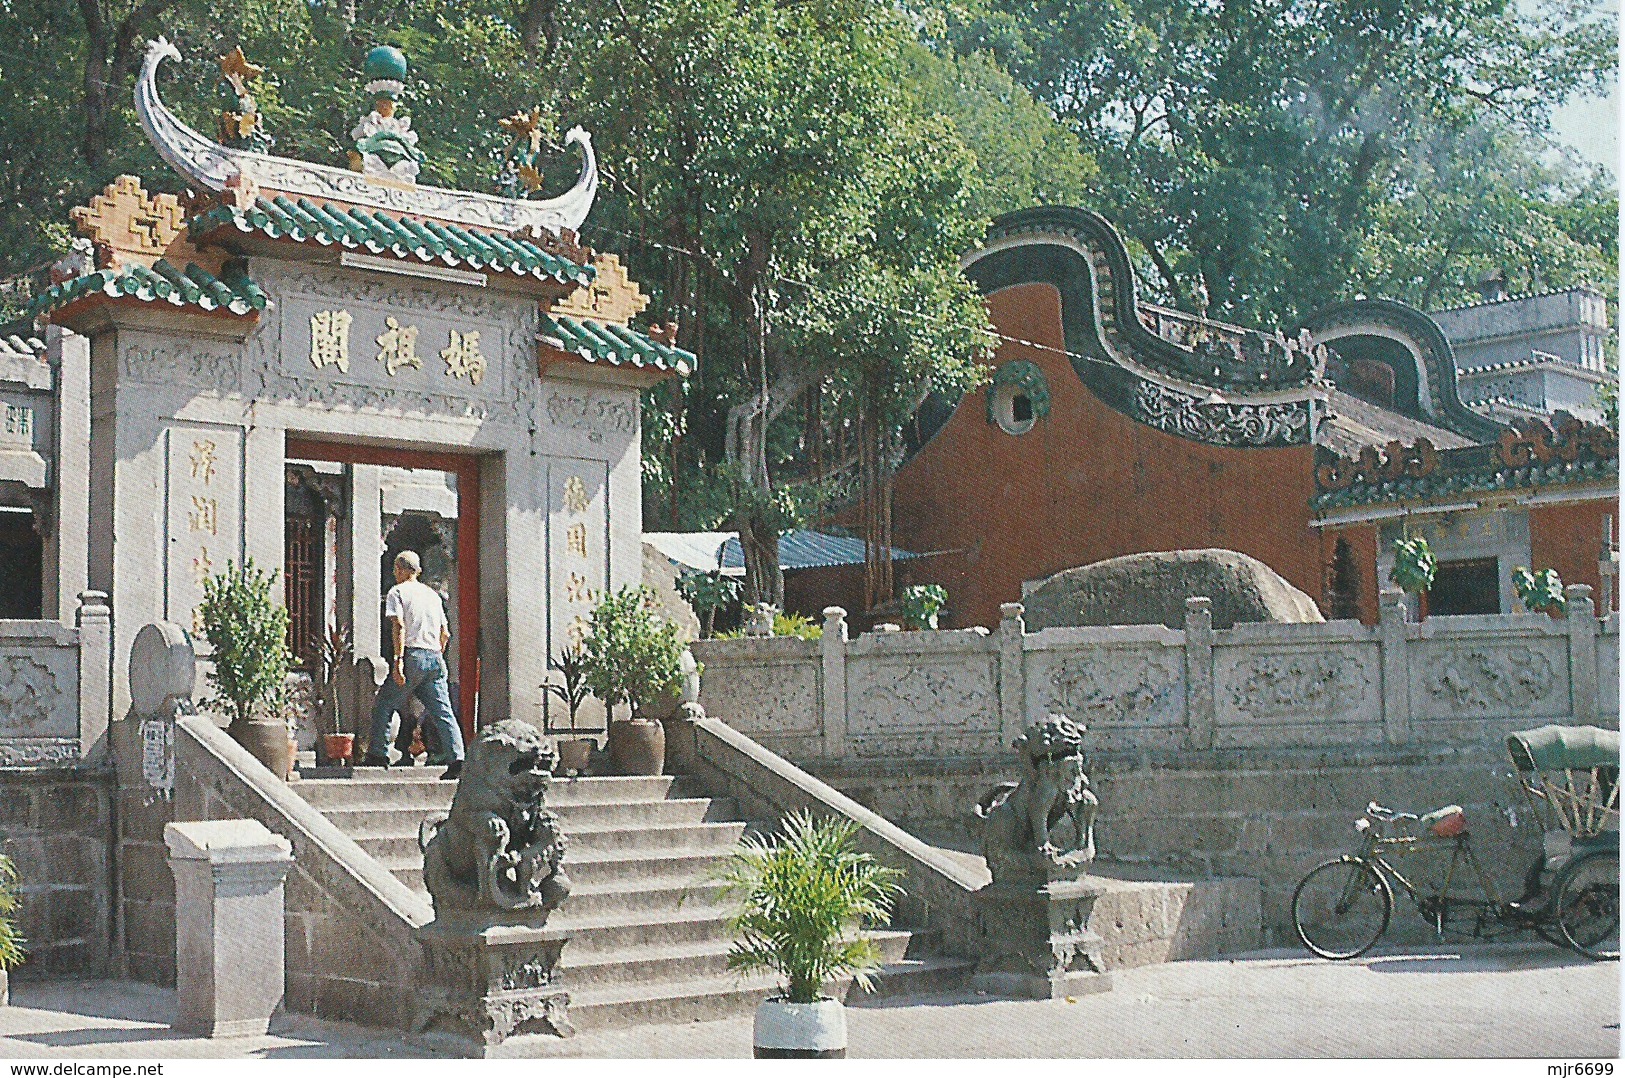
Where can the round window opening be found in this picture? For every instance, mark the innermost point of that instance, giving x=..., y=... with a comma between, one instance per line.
x=1013, y=409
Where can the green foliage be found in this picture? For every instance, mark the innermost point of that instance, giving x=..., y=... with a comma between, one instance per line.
x=708, y=593
x=802, y=897
x=1414, y=565
x=1539, y=592
x=335, y=653
x=247, y=631
x=799, y=626
x=631, y=654
x=571, y=688
x=13, y=946
x=921, y=602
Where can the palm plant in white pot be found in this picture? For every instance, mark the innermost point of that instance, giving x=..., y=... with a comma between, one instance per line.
x=803, y=897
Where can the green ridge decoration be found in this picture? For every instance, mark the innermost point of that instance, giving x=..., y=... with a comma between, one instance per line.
x=231, y=293
x=521, y=175
x=1026, y=376
x=241, y=126
x=1539, y=592
x=302, y=221
x=385, y=143
x=1414, y=565
x=615, y=344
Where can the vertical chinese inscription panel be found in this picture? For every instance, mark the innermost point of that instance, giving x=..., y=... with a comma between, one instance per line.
x=578, y=546
x=203, y=521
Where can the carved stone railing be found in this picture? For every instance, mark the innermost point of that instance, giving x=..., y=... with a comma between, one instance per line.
x=1445, y=680
x=54, y=683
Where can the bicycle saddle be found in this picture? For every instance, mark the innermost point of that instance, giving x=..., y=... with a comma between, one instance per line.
x=1446, y=822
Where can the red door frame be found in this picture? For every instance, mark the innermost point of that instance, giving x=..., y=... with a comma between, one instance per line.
x=466, y=467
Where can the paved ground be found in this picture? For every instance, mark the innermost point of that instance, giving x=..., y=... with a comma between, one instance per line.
x=1497, y=1002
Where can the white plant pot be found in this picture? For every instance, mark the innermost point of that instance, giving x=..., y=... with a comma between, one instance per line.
x=800, y=1030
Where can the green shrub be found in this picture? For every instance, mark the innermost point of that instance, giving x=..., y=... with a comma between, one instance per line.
x=1414, y=565
x=248, y=631
x=797, y=625
x=631, y=654
x=13, y=947
x=802, y=895
x=1540, y=592
x=921, y=603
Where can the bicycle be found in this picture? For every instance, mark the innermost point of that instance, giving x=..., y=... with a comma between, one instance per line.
x=1342, y=907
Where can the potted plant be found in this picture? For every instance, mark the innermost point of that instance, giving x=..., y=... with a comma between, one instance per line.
x=1414, y=565
x=803, y=896
x=335, y=653
x=248, y=631
x=633, y=656
x=921, y=603
x=1540, y=592
x=572, y=689
x=12, y=943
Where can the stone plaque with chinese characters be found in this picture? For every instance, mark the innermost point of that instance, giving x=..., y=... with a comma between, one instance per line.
x=203, y=521
x=395, y=339
x=578, y=552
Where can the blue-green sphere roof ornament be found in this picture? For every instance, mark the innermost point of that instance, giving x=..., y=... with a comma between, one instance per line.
x=385, y=69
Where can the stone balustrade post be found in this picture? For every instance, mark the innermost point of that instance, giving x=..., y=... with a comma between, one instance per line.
x=228, y=925
x=1199, y=706
x=833, y=699
x=95, y=621
x=1582, y=625
x=1012, y=673
x=1394, y=642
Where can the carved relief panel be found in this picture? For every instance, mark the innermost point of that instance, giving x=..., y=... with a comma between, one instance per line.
x=1127, y=696
x=765, y=698
x=1523, y=679
x=941, y=708
x=1331, y=693
x=39, y=693
x=203, y=513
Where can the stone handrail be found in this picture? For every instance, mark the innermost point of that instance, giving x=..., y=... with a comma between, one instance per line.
x=766, y=785
x=335, y=879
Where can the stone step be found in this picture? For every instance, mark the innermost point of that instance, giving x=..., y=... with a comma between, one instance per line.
x=592, y=934
x=649, y=866
x=403, y=821
x=701, y=960
x=415, y=787
x=696, y=999
x=915, y=977
x=700, y=838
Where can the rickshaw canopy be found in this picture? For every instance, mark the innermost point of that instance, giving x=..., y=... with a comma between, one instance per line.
x=1568, y=748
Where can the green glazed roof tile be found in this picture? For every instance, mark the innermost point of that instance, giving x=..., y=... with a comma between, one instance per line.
x=303, y=221
x=163, y=283
x=607, y=342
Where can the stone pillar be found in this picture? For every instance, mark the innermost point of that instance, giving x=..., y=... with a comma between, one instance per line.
x=363, y=542
x=67, y=571
x=833, y=699
x=1036, y=941
x=1012, y=673
x=1396, y=667
x=490, y=988
x=95, y=675
x=228, y=925
x=1199, y=713
x=1582, y=626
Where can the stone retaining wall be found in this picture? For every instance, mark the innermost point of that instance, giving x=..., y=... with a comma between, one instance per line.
x=55, y=824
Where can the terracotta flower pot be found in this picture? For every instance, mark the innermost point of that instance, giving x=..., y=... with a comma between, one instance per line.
x=785, y=1030
x=574, y=752
x=637, y=746
x=339, y=747
x=267, y=741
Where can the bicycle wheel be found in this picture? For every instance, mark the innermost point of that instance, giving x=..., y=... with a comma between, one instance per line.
x=1588, y=905
x=1341, y=908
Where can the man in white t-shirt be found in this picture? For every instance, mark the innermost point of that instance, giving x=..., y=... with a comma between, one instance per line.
x=418, y=633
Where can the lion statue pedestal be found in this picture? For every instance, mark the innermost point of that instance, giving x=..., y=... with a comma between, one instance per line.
x=493, y=869
x=1038, y=839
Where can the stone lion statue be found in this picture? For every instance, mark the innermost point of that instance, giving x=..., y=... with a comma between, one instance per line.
x=1022, y=818
x=500, y=847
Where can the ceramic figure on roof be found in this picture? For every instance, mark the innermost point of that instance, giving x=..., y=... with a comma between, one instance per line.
x=385, y=144
x=521, y=175
x=241, y=126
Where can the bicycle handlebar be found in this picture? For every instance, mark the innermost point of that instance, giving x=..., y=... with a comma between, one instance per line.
x=1377, y=812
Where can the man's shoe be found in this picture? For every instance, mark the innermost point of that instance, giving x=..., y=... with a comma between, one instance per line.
x=453, y=772
x=375, y=761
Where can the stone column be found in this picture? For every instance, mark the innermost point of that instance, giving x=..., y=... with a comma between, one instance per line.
x=228, y=925
x=1396, y=667
x=833, y=699
x=95, y=674
x=363, y=544
x=67, y=551
x=1012, y=673
x=1199, y=713
x=1582, y=626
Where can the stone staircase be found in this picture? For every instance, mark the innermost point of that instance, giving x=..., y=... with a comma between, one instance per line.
x=648, y=936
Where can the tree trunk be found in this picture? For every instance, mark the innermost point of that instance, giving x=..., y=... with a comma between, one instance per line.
x=874, y=482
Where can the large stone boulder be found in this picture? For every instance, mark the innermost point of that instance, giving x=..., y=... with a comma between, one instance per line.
x=661, y=575
x=1147, y=589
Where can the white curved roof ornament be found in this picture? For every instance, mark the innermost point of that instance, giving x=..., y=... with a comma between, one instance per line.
x=208, y=164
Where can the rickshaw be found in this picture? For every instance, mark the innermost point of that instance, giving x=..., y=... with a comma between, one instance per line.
x=1569, y=776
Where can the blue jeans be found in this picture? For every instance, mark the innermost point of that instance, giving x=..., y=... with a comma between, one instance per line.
x=425, y=672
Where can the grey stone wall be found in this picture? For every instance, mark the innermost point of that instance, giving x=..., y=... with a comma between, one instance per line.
x=55, y=824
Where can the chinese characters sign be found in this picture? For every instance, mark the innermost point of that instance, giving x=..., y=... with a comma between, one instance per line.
x=203, y=524
x=579, y=515
x=392, y=347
